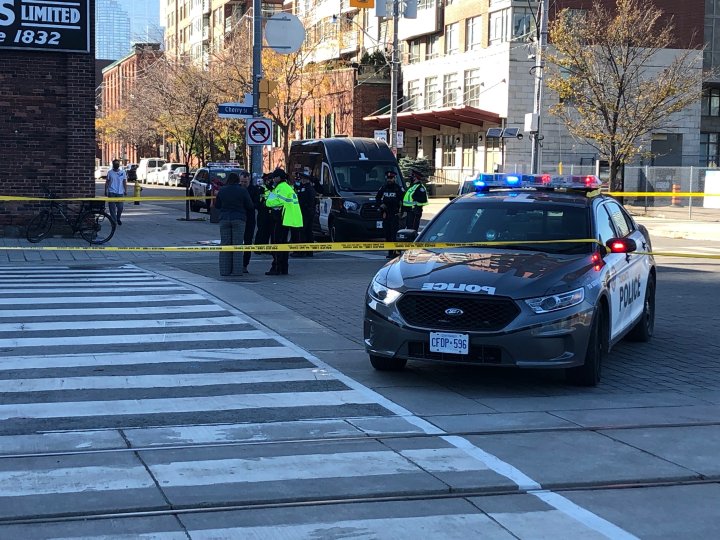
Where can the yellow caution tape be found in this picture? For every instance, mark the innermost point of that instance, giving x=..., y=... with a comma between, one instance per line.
x=105, y=199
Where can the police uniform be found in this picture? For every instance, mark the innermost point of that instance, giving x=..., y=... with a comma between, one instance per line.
x=390, y=199
x=306, y=197
x=413, y=202
x=264, y=215
x=286, y=216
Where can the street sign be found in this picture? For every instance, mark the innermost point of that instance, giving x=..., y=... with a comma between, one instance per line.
x=400, y=137
x=380, y=134
x=258, y=132
x=235, y=110
x=284, y=33
x=45, y=26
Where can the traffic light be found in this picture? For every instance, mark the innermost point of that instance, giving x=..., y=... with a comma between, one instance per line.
x=266, y=101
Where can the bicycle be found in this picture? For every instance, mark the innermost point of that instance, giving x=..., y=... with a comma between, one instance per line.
x=91, y=221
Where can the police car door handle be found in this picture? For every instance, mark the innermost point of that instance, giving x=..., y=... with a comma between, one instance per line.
x=627, y=257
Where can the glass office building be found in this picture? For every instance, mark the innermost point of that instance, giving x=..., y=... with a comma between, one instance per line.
x=121, y=23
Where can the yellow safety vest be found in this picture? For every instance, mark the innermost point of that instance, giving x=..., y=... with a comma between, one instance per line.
x=408, y=198
x=284, y=196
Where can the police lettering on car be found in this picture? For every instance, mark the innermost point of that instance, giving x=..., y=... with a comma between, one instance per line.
x=560, y=285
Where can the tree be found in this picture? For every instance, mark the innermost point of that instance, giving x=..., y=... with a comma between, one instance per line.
x=612, y=94
x=127, y=126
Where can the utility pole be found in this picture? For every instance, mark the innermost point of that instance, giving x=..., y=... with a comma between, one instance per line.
x=538, y=70
x=256, y=151
x=394, y=78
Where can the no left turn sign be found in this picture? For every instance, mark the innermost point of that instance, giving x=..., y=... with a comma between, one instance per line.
x=259, y=131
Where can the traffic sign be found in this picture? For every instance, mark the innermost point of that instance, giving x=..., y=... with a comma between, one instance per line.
x=380, y=135
x=284, y=33
x=258, y=132
x=234, y=110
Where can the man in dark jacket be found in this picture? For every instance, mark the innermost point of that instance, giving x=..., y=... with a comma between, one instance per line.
x=390, y=199
x=264, y=216
x=234, y=203
x=254, y=192
x=306, y=198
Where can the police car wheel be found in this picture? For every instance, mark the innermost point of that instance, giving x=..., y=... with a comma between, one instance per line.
x=382, y=363
x=589, y=373
x=337, y=234
x=643, y=329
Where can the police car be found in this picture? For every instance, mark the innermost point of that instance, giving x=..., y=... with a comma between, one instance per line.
x=563, y=276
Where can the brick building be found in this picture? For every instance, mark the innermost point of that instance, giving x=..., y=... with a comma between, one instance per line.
x=47, y=126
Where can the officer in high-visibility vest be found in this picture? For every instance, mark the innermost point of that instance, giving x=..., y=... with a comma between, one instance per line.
x=414, y=200
x=287, y=215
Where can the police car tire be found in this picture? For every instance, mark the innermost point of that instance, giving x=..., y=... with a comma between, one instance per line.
x=382, y=363
x=589, y=373
x=337, y=232
x=643, y=329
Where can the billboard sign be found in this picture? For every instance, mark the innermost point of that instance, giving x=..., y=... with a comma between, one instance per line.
x=33, y=25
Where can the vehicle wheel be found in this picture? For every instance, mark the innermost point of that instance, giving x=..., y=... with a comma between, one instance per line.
x=96, y=227
x=589, y=373
x=337, y=232
x=644, y=328
x=39, y=226
x=381, y=363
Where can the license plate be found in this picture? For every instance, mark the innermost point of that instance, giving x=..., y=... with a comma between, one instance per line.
x=445, y=342
x=379, y=224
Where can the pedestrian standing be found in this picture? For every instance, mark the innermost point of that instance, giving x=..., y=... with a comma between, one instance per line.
x=234, y=203
x=254, y=192
x=390, y=198
x=265, y=214
x=307, y=200
x=414, y=200
x=116, y=186
x=286, y=215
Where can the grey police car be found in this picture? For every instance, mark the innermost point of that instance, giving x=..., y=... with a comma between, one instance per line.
x=566, y=277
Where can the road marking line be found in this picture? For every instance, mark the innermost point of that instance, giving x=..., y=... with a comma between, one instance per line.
x=78, y=311
x=192, y=323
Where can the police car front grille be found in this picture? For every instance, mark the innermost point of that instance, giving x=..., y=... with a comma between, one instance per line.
x=441, y=312
x=370, y=211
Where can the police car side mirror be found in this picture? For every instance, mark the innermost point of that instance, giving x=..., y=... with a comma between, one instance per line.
x=406, y=235
x=621, y=245
x=452, y=197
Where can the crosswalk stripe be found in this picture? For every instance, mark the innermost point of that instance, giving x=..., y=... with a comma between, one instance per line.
x=128, y=323
x=110, y=339
x=109, y=300
x=118, y=290
x=178, y=405
x=144, y=310
x=160, y=381
x=140, y=358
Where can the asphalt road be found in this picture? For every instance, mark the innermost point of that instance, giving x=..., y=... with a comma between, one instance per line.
x=144, y=394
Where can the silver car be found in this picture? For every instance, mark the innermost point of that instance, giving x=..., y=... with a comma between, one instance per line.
x=534, y=298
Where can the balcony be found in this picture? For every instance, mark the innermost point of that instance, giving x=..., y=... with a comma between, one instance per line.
x=206, y=7
x=427, y=22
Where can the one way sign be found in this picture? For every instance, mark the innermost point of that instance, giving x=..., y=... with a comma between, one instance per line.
x=258, y=131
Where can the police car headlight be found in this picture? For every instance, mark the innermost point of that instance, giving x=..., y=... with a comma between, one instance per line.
x=383, y=294
x=351, y=206
x=554, y=302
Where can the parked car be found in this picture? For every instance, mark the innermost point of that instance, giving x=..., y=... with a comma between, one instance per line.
x=181, y=178
x=162, y=176
x=147, y=166
x=101, y=172
x=207, y=181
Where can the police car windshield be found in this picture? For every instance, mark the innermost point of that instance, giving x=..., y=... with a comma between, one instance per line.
x=523, y=223
x=220, y=175
x=363, y=177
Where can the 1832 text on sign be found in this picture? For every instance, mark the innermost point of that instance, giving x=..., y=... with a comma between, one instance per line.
x=61, y=25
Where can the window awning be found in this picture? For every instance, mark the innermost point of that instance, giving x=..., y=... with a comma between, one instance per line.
x=435, y=118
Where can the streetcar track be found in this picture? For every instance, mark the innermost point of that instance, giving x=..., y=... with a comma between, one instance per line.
x=298, y=502
x=367, y=437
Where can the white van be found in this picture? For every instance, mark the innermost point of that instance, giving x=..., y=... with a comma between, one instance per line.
x=147, y=165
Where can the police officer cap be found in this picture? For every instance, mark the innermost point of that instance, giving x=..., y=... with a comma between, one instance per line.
x=390, y=174
x=416, y=171
x=279, y=173
x=303, y=174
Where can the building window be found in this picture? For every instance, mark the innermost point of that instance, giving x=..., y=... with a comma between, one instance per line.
x=431, y=91
x=310, y=128
x=472, y=88
x=469, y=147
x=452, y=39
x=414, y=96
x=448, y=150
x=472, y=33
x=523, y=28
x=500, y=26
x=711, y=102
x=414, y=53
x=330, y=125
x=426, y=4
x=709, y=149
x=432, y=48
x=450, y=90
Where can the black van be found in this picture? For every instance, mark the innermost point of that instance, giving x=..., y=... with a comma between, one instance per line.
x=350, y=171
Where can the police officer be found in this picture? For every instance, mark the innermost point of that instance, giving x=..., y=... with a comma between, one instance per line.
x=390, y=198
x=264, y=215
x=286, y=216
x=306, y=197
x=414, y=200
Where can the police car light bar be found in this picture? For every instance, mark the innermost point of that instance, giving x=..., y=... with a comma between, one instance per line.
x=485, y=181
